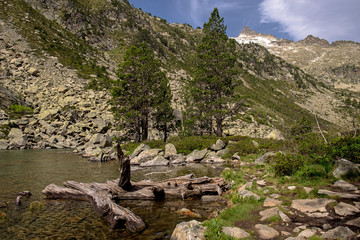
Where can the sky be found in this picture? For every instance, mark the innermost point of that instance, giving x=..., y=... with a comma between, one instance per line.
x=332, y=20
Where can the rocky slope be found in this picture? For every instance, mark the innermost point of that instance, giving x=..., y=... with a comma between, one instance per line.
x=53, y=53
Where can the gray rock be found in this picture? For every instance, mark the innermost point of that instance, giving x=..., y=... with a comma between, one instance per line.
x=339, y=233
x=178, y=159
x=145, y=156
x=157, y=161
x=311, y=205
x=33, y=71
x=18, y=143
x=249, y=194
x=3, y=115
x=216, y=160
x=212, y=198
x=4, y=144
x=338, y=194
x=235, y=232
x=264, y=158
x=343, y=167
x=218, y=145
x=236, y=156
x=284, y=217
x=222, y=152
x=15, y=133
x=105, y=141
x=268, y=213
x=308, y=233
x=355, y=222
x=345, y=185
x=196, y=155
x=170, y=150
x=139, y=149
x=344, y=209
x=247, y=185
x=266, y=232
x=188, y=231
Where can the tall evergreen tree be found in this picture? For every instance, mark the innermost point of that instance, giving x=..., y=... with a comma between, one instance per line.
x=211, y=91
x=141, y=91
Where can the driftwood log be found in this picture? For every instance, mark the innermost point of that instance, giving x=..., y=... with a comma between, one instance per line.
x=103, y=195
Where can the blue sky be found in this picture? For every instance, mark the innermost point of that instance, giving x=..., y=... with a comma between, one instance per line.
x=291, y=19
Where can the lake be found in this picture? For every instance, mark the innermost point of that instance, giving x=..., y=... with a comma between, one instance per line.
x=33, y=170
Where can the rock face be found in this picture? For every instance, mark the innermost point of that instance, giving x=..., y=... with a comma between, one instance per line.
x=188, y=231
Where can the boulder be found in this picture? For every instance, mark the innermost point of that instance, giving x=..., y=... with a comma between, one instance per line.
x=339, y=233
x=270, y=202
x=33, y=71
x=266, y=232
x=145, y=156
x=311, y=205
x=235, y=232
x=139, y=149
x=344, y=209
x=218, y=145
x=355, y=222
x=308, y=233
x=188, y=231
x=15, y=133
x=264, y=158
x=188, y=213
x=4, y=144
x=248, y=194
x=105, y=141
x=284, y=217
x=47, y=114
x=196, y=155
x=157, y=161
x=268, y=213
x=170, y=150
x=179, y=159
x=236, y=156
x=343, y=167
x=345, y=185
x=222, y=152
x=216, y=160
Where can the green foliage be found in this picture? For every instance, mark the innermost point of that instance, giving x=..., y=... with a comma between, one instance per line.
x=236, y=176
x=141, y=91
x=348, y=148
x=303, y=127
x=20, y=109
x=286, y=165
x=187, y=144
x=210, y=93
x=312, y=171
x=3, y=217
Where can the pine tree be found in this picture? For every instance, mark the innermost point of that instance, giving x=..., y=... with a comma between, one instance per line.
x=211, y=91
x=141, y=91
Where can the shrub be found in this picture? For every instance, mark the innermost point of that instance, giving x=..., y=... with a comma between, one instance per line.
x=286, y=165
x=312, y=171
x=347, y=147
x=20, y=109
x=188, y=144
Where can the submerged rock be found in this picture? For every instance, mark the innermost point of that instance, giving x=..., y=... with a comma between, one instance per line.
x=188, y=231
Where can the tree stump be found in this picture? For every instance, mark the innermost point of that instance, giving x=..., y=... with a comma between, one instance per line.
x=124, y=180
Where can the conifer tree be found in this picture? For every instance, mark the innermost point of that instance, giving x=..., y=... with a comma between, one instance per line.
x=211, y=90
x=141, y=91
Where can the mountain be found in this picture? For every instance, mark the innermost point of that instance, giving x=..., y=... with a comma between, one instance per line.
x=59, y=57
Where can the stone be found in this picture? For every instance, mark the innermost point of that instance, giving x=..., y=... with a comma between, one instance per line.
x=157, y=161
x=311, y=205
x=212, y=198
x=139, y=149
x=235, y=232
x=216, y=160
x=105, y=141
x=264, y=158
x=327, y=226
x=188, y=231
x=270, y=202
x=236, y=157
x=218, y=145
x=33, y=71
x=222, y=152
x=15, y=133
x=308, y=189
x=145, y=156
x=295, y=238
x=355, y=222
x=47, y=114
x=179, y=159
x=246, y=186
x=291, y=187
x=4, y=144
x=188, y=213
x=308, y=233
x=248, y=194
x=343, y=167
x=261, y=183
x=196, y=155
x=339, y=233
x=170, y=150
x=344, y=209
x=345, y=185
x=266, y=232
x=268, y=213
x=338, y=194
x=284, y=217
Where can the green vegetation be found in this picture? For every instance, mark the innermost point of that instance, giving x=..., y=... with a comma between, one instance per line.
x=141, y=93
x=210, y=94
x=16, y=111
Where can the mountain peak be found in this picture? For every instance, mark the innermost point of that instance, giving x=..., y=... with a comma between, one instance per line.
x=246, y=30
x=311, y=40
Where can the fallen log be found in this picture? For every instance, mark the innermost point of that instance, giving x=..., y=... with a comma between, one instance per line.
x=53, y=191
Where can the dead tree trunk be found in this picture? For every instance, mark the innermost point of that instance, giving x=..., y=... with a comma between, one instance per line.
x=124, y=180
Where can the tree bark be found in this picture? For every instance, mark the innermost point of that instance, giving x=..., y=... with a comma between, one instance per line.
x=219, y=129
x=124, y=180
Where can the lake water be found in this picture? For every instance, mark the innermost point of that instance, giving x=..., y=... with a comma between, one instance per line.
x=33, y=170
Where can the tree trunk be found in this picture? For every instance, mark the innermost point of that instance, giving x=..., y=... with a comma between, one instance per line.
x=219, y=129
x=137, y=130
x=124, y=180
x=165, y=132
x=145, y=128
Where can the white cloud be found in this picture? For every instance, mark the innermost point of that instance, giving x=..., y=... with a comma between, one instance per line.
x=199, y=10
x=329, y=19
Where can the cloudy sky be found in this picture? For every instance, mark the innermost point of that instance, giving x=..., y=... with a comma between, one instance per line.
x=291, y=19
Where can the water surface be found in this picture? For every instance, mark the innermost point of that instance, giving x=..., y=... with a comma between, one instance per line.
x=33, y=170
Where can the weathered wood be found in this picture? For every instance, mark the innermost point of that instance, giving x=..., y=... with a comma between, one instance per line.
x=124, y=180
x=104, y=206
x=24, y=194
x=18, y=200
x=53, y=191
